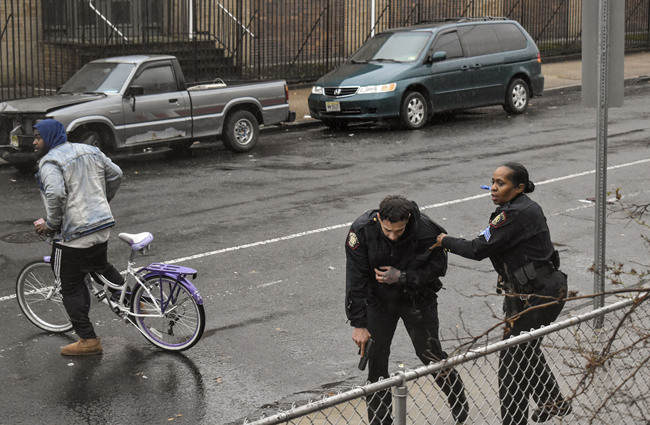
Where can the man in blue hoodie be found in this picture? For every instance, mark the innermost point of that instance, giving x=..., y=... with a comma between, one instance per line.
x=76, y=181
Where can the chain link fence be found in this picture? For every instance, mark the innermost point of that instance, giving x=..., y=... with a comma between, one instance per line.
x=602, y=373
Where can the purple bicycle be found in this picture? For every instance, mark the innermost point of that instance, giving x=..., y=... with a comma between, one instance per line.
x=159, y=299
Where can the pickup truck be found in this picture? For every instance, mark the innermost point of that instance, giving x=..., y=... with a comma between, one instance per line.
x=129, y=102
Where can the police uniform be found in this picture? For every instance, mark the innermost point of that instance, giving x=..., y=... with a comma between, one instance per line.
x=517, y=241
x=378, y=306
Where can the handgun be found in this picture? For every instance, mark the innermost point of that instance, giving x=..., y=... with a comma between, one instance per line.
x=366, y=354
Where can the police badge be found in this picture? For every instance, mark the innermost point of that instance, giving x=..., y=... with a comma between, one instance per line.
x=353, y=241
x=498, y=220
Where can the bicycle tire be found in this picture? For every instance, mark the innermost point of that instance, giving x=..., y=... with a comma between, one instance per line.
x=34, y=284
x=183, y=320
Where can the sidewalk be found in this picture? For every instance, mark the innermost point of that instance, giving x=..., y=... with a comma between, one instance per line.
x=557, y=76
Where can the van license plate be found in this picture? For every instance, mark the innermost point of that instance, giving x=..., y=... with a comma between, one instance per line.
x=333, y=106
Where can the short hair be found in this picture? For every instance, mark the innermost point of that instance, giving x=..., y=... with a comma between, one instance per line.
x=519, y=175
x=395, y=208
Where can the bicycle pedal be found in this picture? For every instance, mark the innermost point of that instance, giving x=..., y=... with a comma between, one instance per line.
x=101, y=295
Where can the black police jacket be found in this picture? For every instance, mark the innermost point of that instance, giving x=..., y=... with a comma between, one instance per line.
x=516, y=235
x=367, y=248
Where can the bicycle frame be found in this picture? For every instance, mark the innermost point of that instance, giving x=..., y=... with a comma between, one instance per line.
x=159, y=299
x=98, y=285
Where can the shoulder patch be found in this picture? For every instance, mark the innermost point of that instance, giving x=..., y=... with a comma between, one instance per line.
x=498, y=220
x=353, y=240
x=486, y=234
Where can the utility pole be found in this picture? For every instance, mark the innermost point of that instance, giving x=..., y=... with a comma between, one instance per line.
x=604, y=91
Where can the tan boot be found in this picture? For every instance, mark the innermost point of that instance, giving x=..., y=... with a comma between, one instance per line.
x=83, y=347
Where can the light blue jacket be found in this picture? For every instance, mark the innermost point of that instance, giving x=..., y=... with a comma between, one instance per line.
x=77, y=181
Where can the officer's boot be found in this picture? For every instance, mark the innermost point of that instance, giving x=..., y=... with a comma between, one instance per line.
x=451, y=384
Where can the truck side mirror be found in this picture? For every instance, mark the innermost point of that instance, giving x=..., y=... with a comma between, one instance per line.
x=133, y=91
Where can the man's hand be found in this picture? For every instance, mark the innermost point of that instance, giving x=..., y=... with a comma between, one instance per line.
x=360, y=337
x=438, y=243
x=41, y=228
x=387, y=274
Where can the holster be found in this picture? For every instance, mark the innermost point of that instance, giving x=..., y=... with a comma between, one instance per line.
x=530, y=277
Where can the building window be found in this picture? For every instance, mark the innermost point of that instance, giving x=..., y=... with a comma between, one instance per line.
x=96, y=20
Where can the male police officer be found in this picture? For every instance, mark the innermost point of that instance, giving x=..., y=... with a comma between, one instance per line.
x=392, y=274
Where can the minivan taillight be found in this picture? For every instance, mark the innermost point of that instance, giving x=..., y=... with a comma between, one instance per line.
x=539, y=58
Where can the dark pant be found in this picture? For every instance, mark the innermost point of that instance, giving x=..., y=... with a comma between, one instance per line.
x=421, y=322
x=71, y=265
x=523, y=371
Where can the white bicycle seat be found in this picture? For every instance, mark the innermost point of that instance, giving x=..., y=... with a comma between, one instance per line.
x=137, y=241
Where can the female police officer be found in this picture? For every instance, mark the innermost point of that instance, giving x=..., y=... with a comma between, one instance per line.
x=518, y=243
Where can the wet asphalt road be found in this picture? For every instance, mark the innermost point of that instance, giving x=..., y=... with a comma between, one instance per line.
x=266, y=232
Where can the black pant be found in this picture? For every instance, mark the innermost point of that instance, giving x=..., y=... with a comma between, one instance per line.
x=71, y=265
x=523, y=371
x=421, y=322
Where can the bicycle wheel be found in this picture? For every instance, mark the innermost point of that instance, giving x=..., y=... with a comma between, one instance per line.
x=39, y=300
x=182, y=321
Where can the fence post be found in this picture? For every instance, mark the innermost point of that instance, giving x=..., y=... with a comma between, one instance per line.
x=399, y=401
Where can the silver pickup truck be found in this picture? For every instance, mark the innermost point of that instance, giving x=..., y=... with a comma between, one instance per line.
x=131, y=102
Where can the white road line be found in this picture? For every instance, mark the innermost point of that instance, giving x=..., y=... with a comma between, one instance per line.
x=264, y=285
x=438, y=205
x=338, y=226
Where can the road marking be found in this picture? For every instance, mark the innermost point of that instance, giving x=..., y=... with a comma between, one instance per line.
x=264, y=285
x=339, y=226
x=438, y=205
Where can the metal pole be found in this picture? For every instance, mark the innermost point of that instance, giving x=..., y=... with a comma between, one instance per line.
x=190, y=15
x=399, y=403
x=372, y=18
x=601, y=159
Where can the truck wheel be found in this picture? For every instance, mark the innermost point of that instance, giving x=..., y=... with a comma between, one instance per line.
x=241, y=131
x=517, y=97
x=413, y=112
x=94, y=138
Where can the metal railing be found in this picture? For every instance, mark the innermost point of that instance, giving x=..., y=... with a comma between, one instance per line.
x=602, y=373
x=43, y=42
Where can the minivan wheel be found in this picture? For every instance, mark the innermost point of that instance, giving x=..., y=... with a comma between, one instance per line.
x=413, y=112
x=517, y=97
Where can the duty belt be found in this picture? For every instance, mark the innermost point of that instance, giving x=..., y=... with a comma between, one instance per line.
x=530, y=277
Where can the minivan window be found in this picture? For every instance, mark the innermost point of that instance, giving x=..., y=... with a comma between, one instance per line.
x=394, y=46
x=479, y=40
x=510, y=37
x=450, y=44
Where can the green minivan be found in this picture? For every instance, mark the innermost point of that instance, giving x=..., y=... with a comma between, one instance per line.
x=410, y=73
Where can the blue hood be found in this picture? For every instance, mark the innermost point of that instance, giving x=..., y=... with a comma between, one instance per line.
x=366, y=74
x=52, y=132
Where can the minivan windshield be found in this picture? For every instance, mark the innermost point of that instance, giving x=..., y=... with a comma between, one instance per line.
x=102, y=77
x=393, y=47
